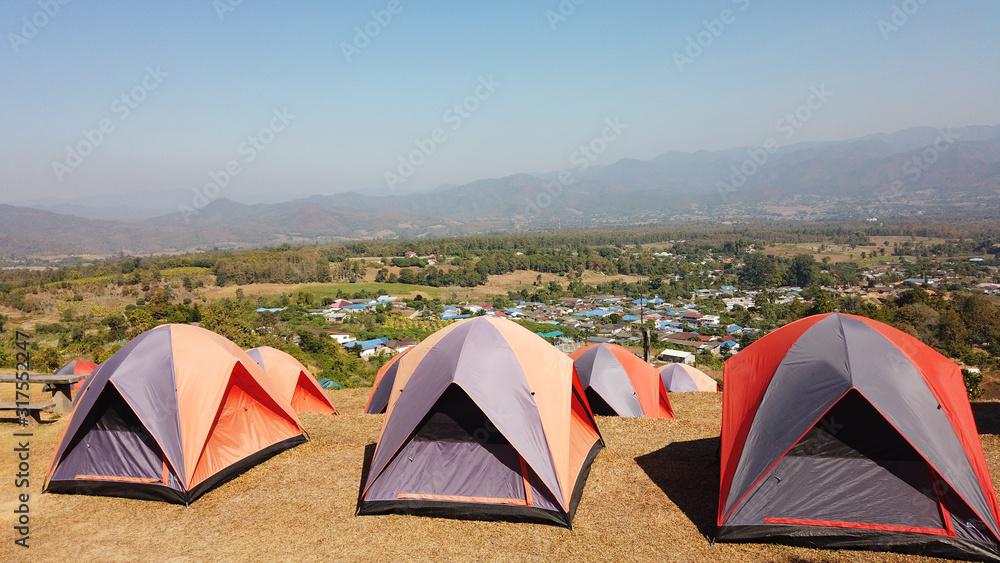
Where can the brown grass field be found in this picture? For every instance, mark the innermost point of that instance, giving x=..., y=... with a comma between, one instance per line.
x=651, y=496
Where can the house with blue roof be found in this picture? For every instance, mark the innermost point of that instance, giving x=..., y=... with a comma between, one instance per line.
x=368, y=347
x=593, y=313
x=552, y=334
x=454, y=317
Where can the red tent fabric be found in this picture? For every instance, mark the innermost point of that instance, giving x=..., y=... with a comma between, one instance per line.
x=77, y=367
x=844, y=432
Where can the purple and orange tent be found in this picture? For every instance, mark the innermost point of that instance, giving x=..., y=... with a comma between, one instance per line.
x=486, y=420
x=77, y=367
x=619, y=383
x=175, y=412
x=379, y=399
x=682, y=378
x=294, y=381
x=842, y=432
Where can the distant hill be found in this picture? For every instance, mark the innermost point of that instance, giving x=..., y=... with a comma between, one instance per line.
x=919, y=171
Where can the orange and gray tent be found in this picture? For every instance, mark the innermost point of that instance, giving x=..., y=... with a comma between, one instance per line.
x=295, y=383
x=379, y=399
x=619, y=383
x=77, y=367
x=486, y=420
x=682, y=378
x=175, y=412
x=842, y=432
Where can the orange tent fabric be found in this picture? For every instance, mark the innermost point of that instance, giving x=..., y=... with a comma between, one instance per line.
x=621, y=382
x=485, y=420
x=173, y=413
x=379, y=398
x=685, y=378
x=296, y=383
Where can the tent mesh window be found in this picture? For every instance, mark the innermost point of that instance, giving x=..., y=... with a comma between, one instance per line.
x=853, y=467
x=457, y=454
x=111, y=445
x=598, y=405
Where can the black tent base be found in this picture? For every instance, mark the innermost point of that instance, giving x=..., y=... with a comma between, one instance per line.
x=466, y=511
x=819, y=537
x=160, y=492
x=475, y=511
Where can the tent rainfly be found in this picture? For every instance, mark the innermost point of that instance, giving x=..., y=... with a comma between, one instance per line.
x=842, y=432
x=486, y=420
x=175, y=412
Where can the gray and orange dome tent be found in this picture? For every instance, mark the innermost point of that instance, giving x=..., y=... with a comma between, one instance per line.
x=175, y=412
x=842, y=432
x=295, y=382
x=682, y=378
x=77, y=367
x=486, y=420
x=382, y=387
x=619, y=383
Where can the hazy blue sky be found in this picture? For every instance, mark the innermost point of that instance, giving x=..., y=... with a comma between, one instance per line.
x=220, y=75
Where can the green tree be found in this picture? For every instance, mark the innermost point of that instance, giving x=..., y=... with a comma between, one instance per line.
x=46, y=360
x=759, y=271
x=802, y=271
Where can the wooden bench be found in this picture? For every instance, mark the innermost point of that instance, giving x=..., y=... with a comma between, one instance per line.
x=61, y=386
x=34, y=410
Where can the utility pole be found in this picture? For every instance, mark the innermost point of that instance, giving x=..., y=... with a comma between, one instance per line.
x=642, y=324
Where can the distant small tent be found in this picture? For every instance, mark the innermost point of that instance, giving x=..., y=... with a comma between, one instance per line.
x=296, y=383
x=619, y=383
x=486, y=420
x=842, y=432
x=382, y=387
x=175, y=412
x=682, y=378
x=77, y=367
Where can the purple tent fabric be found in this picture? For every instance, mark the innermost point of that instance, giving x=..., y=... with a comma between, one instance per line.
x=478, y=359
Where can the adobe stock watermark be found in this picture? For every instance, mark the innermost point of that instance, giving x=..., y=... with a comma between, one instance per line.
x=31, y=25
x=899, y=17
x=122, y=107
x=696, y=44
x=455, y=116
x=788, y=126
x=581, y=158
x=364, y=34
x=563, y=11
x=22, y=479
x=224, y=7
x=915, y=167
x=248, y=150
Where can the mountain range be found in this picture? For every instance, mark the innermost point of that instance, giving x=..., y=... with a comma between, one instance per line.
x=919, y=171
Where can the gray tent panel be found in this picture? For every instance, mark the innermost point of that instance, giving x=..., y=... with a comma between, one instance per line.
x=882, y=454
x=458, y=453
x=812, y=377
x=476, y=357
x=599, y=370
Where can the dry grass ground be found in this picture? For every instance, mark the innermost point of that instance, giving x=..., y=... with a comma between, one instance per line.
x=651, y=496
